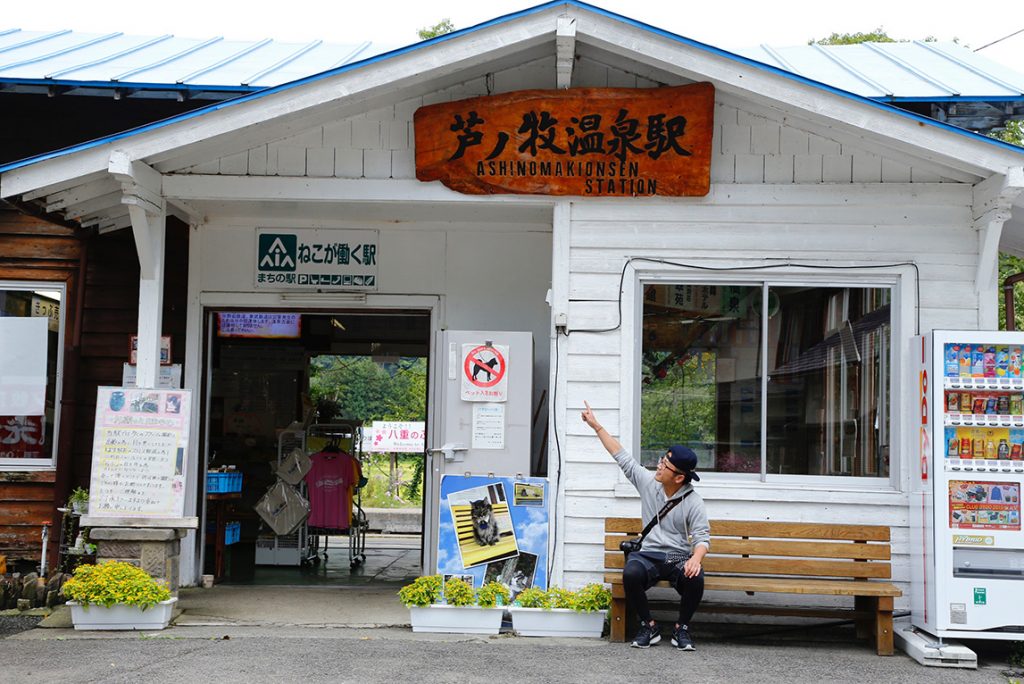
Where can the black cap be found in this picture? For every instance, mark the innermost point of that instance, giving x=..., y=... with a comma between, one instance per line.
x=683, y=459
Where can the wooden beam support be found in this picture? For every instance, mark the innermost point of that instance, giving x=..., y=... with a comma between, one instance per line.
x=565, y=46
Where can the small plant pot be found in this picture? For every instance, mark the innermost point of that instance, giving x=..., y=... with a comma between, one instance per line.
x=80, y=507
x=121, y=617
x=556, y=622
x=456, y=619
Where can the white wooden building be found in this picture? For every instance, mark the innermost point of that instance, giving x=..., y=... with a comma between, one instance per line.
x=811, y=188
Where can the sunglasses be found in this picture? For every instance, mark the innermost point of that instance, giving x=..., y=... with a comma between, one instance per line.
x=664, y=463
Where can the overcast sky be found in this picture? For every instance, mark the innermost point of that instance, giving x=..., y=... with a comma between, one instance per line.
x=734, y=24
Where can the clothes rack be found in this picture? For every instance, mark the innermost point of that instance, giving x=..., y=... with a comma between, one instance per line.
x=345, y=439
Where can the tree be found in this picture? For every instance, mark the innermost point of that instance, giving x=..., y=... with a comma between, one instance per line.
x=1009, y=265
x=439, y=29
x=1013, y=133
x=877, y=36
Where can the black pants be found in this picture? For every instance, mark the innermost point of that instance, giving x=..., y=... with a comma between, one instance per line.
x=643, y=570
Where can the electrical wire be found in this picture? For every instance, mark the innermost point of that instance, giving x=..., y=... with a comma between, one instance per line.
x=999, y=40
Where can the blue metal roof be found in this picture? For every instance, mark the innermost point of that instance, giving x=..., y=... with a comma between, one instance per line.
x=367, y=60
x=150, y=64
x=146, y=65
x=933, y=71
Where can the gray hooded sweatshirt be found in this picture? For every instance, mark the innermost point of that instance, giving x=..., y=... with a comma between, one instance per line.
x=684, y=527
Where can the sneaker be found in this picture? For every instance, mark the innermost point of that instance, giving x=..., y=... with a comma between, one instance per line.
x=681, y=639
x=647, y=636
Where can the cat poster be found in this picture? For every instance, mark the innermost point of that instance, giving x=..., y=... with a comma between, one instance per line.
x=483, y=523
x=519, y=555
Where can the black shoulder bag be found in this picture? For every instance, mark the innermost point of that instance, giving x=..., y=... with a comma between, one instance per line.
x=630, y=545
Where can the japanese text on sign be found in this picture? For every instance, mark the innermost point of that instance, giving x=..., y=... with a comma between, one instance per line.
x=139, y=448
x=584, y=141
x=317, y=259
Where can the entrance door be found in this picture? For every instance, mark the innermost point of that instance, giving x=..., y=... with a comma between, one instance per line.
x=482, y=394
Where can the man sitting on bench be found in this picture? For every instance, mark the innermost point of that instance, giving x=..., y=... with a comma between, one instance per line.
x=674, y=547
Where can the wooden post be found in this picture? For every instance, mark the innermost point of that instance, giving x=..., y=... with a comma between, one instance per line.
x=883, y=625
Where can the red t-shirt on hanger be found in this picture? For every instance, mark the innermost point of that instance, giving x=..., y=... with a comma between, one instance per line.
x=330, y=483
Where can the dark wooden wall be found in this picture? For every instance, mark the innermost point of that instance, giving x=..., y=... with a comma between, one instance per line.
x=33, y=249
x=102, y=277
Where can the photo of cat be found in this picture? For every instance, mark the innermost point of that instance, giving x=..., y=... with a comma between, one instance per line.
x=483, y=525
x=515, y=573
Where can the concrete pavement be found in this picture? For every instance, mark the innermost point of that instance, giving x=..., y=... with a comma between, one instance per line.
x=314, y=634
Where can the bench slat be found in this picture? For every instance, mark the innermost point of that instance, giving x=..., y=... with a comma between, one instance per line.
x=794, y=549
x=614, y=560
x=747, y=528
x=785, y=586
x=804, y=568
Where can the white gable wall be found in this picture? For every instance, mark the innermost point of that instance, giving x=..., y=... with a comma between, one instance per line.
x=753, y=145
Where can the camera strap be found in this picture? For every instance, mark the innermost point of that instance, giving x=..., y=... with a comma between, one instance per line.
x=669, y=505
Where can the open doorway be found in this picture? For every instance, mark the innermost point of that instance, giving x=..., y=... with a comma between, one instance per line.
x=293, y=400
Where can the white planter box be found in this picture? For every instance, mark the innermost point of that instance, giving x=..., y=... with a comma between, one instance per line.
x=456, y=619
x=120, y=616
x=557, y=622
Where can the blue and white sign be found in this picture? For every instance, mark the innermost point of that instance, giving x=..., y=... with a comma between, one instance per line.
x=317, y=259
x=494, y=528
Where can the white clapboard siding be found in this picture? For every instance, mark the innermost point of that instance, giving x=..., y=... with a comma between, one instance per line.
x=752, y=145
x=861, y=223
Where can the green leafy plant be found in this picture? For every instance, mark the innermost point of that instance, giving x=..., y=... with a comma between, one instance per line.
x=78, y=499
x=1017, y=654
x=115, y=582
x=593, y=597
x=421, y=592
x=458, y=593
x=562, y=598
x=492, y=594
x=533, y=597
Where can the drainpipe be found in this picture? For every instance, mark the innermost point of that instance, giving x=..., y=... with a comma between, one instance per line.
x=1011, y=317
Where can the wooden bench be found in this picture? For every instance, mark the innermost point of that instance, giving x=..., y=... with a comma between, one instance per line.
x=780, y=557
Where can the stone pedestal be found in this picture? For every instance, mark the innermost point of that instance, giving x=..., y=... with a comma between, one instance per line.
x=156, y=551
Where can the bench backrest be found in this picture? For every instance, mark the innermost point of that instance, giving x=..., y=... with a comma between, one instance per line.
x=746, y=547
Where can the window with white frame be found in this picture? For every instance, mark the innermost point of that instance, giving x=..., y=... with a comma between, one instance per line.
x=768, y=379
x=31, y=329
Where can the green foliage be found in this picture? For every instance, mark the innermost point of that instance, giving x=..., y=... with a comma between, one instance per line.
x=114, y=582
x=1017, y=654
x=376, y=470
x=439, y=29
x=458, y=593
x=1009, y=265
x=677, y=400
x=1013, y=133
x=370, y=390
x=492, y=594
x=533, y=597
x=421, y=592
x=78, y=496
x=877, y=36
x=593, y=597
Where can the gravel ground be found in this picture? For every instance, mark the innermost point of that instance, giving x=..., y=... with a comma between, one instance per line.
x=13, y=624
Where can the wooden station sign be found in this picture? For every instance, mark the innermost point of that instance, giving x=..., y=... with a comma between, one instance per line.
x=608, y=142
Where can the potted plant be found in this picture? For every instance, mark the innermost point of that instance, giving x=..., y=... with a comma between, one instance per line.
x=79, y=500
x=117, y=595
x=561, y=612
x=453, y=606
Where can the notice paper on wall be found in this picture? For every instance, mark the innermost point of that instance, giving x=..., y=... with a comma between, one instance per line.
x=139, y=450
x=488, y=426
x=23, y=366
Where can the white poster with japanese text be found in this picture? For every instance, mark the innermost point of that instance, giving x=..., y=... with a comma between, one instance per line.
x=139, y=449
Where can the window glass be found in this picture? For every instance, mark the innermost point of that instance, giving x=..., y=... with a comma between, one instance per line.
x=828, y=383
x=30, y=326
x=826, y=394
x=701, y=374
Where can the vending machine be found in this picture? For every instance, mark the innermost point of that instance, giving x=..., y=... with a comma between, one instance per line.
x=967, y=546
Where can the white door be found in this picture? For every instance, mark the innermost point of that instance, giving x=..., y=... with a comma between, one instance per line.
x=481, y=394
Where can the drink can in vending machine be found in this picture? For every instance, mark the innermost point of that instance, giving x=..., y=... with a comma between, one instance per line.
x=952, y=402
x=965, y=402
x=1013, y=366
x=1016, y=404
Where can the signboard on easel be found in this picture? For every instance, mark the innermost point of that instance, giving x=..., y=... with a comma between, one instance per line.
x=140, y=446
